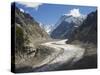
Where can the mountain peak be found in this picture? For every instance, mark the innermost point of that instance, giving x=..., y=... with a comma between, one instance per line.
x=48, y=28
x=67, y=24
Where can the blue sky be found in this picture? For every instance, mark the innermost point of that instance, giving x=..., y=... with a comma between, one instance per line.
x=50, y=13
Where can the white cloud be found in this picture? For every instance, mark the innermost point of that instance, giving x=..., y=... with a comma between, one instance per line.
x=74, y=12
x=21, y=10
x=31, y=5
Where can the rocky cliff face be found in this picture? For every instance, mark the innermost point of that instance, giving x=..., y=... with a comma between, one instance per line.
x=27, y=32
x=87, y=32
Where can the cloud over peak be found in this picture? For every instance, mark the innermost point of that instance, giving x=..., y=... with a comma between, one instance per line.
x=74, y=12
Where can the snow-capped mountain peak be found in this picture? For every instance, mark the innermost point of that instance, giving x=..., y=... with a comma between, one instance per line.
x=76, y=20
x=48, y=28
x=67, y=24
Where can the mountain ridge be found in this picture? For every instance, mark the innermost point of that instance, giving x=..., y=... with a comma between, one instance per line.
x=27, y=33
x=66, y=24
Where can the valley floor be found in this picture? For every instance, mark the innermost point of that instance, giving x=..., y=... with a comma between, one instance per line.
x=66, y=56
